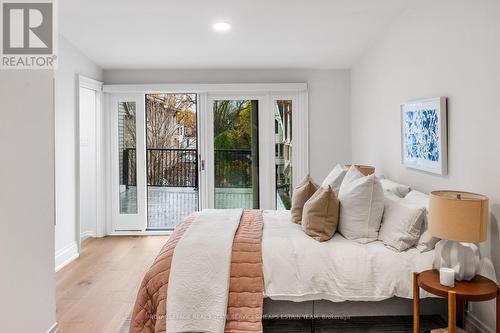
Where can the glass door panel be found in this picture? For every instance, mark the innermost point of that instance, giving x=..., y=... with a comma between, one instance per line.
x=171, y=159
x=283, y=153
x=127, y=157
x=236, y=153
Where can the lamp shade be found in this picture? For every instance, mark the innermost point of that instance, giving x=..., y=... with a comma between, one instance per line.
x=366, y=170
x=458, y=216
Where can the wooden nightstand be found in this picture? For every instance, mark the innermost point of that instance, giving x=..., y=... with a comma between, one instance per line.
x=477, y=290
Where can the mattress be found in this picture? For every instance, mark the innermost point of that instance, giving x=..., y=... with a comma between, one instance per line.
x=298, y=268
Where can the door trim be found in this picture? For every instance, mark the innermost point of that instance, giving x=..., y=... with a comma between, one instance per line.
x=213, y=88
x=203, y=148
x=97, y=86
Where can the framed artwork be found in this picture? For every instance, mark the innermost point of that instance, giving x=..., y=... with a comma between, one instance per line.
x=424, y=135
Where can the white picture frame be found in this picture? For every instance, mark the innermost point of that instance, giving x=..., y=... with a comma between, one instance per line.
x=424, y=137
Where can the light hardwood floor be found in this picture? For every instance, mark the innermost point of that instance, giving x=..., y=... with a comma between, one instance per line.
x=96, y=292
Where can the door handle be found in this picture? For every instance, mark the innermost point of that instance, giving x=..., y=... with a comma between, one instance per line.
x=202, y=163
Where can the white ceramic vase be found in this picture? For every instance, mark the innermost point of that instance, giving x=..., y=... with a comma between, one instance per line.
x=463, y=258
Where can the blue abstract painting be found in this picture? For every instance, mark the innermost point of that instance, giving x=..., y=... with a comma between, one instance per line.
x=422, y=135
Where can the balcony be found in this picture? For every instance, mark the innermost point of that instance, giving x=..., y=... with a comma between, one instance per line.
x=172, y=179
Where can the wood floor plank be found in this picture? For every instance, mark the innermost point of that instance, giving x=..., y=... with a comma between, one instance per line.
x=96, y=292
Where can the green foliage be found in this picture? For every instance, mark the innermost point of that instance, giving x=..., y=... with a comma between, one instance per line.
x=224, y=140
x=243, y=132
x=233, y=124
x=233, y=132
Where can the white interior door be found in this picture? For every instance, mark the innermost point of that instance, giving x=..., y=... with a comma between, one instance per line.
x=128, y=184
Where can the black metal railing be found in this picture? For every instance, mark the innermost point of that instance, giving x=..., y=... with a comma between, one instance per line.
x=233, y=168
x=172, y=167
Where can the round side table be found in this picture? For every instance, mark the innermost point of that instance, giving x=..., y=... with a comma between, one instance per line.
x=476, y=290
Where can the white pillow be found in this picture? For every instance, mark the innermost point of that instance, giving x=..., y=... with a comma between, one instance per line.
x=361, y=206
x=401, y=223
x=335, y=178
x=426, y=241
x=398, y=189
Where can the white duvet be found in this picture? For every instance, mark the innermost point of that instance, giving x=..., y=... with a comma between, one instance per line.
x=299, y=268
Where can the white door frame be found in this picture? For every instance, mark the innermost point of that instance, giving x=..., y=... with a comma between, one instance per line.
x=300, y=134
x=88, y=83
x=266, y=93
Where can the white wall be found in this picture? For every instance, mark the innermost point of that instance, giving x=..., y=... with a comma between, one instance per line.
x=438, y=48
x=329, y=103
x=27, y=304
x=71, y=63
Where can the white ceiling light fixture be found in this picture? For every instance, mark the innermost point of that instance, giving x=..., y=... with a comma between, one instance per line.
x=221, y=26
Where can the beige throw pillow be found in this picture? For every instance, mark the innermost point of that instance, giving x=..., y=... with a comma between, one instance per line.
x=301, y=194
x=321, y=214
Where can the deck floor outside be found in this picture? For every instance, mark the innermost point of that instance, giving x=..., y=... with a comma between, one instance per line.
x=168, y=206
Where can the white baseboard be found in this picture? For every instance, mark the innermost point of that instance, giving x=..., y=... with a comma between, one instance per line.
x=86, y=234
x=66, y=255
x=54, y=328
x=473, y=324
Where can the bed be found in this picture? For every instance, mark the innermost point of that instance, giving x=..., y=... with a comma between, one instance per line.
x=298, y=268
x=337, y=278
x=300, y=276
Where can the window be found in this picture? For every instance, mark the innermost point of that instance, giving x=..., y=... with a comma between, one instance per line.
x=128, y=157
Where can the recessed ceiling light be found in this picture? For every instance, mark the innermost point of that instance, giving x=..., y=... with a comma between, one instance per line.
x=221, y=26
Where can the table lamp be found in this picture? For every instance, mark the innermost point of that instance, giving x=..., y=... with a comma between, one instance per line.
x=460, y=219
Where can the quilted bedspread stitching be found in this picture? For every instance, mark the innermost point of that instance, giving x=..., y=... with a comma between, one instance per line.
x=246, y=290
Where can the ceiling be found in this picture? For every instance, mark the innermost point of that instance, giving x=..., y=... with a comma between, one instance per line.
x=134, y=34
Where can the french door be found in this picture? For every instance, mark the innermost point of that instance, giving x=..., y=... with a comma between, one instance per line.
x=128, y=155
x=154, y=165
x=173, y=153
x=171, y=158
x=238, y=156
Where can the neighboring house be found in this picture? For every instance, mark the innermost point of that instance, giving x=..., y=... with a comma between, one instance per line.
x=186, y=137
x=283, y=134
x=126, y=135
